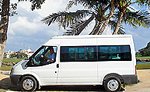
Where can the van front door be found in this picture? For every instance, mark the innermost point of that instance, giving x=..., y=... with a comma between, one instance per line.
x=42, y=64
x=78, y=65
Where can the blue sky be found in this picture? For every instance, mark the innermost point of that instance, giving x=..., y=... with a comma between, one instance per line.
x=27, y=31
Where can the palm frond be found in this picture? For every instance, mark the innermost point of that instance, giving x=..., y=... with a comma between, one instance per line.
x=143, y=2
x=121, y=30
x=66, y=19
x=96, y=28
x=88, y=3
x=36, y=4
x=70, y=4
x=137, y=18
x=113, y=23
x=78, y=27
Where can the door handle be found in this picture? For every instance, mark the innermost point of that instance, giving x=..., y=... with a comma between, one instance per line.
x=57, y=65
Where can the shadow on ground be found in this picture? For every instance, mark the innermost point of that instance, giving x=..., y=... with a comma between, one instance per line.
x=5, y=84
x=73, y=88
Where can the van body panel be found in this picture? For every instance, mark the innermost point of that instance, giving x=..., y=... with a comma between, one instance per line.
x=47, y=74
x=76, y=72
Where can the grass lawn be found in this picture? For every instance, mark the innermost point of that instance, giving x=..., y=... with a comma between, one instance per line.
x=5, y=68
x=143, y=66
x=145, y=57
x=11, y=60
x=7, y=60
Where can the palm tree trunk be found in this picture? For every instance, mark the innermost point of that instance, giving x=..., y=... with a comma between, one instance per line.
x=2, y=47
x=96, y=28
x=85, y=24
x=3, y=27
x=103, y=27
x=108, y=19
x=118, y=23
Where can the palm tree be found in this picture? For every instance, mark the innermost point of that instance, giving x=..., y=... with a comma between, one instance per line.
x=103, y=12
x=6, y=10
x=131, y=17
x=3, y=26
x=97, y=10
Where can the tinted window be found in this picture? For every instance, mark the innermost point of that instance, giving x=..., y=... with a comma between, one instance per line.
x=78, y=53
x=114, y=53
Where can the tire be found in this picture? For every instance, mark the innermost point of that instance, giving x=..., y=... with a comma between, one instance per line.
x=112, y=84
x=28, y=83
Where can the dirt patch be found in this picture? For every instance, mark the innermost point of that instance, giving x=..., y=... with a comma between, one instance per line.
x=143, y=85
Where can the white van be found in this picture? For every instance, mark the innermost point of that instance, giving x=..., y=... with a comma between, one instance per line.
x=107, y=60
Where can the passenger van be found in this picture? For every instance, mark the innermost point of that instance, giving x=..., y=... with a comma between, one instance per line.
x=107, y=60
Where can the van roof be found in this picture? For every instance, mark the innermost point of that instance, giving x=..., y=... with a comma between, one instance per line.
x=91, y=36
x=57, y=39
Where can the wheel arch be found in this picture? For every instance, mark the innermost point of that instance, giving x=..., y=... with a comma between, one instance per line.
x=35, y=77
x=113, y=75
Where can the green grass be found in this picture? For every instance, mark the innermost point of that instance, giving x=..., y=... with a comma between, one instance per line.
x=11, y=60
x=143, y=66
x=145, y=57
x=7, y=60
x=5, y=68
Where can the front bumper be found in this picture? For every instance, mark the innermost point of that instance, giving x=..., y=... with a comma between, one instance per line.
x=15, y=79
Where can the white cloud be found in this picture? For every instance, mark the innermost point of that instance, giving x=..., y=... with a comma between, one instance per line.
x=52, y=6
x=23, y=26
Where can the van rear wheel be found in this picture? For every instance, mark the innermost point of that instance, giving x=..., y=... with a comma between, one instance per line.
x=28, y=83
x=112, y=84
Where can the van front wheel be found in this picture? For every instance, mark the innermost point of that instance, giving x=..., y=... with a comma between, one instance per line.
x=28, y=83
x=112, y=84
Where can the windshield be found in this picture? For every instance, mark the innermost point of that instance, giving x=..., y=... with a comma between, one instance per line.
x=43, y=56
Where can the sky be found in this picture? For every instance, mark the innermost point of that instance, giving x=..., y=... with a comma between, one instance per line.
x=26, y=30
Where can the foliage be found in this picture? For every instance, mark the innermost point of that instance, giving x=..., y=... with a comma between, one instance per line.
x=19, y=55
x=145, y=51
x=138, y=54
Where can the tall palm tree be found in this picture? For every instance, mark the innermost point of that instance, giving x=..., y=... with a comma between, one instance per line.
x=3, y=26
x=6, y=10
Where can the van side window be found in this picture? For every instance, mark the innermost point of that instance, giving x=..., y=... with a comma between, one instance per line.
x=114, y=53
x=78, y=53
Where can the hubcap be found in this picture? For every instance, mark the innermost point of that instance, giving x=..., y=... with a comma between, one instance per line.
x=113, y=85
x=28, y=84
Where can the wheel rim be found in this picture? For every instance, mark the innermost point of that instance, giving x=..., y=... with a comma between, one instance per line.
x=28, y=84
x=112, y=85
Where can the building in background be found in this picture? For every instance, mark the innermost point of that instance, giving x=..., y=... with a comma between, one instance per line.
x=19, y=54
